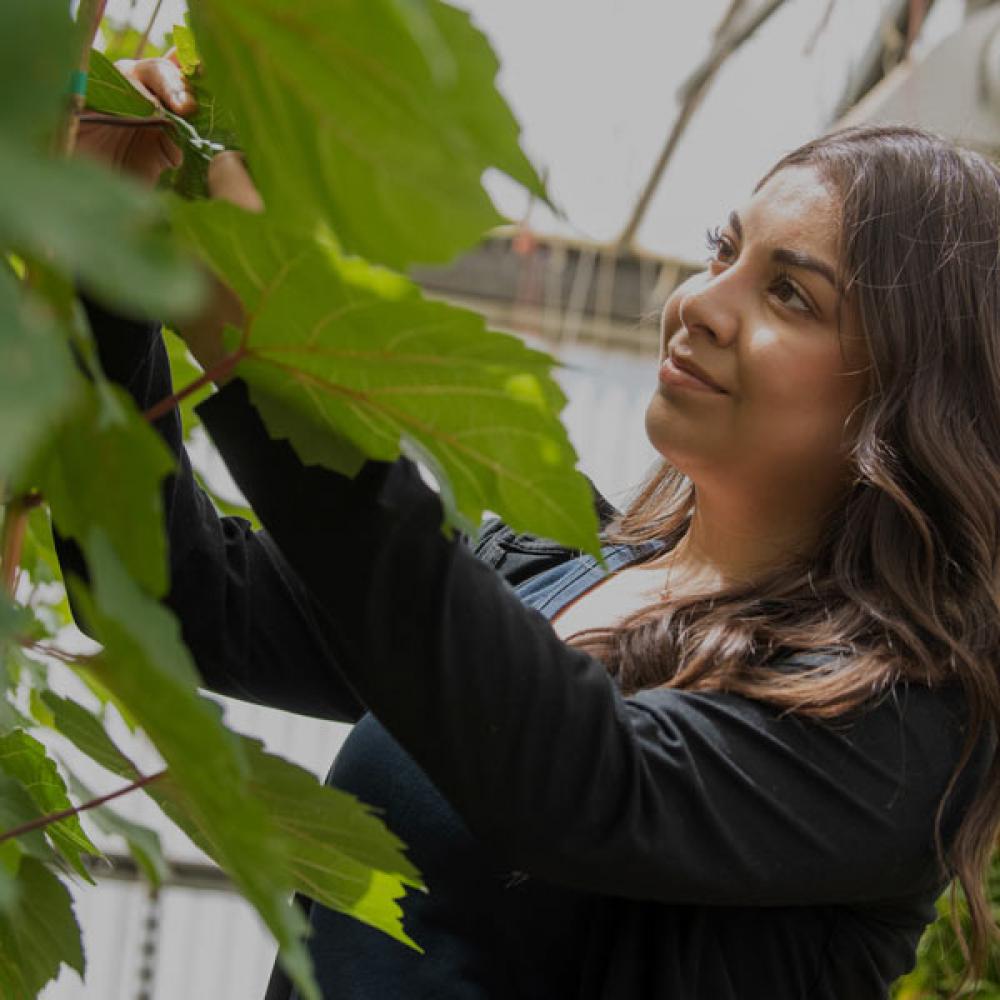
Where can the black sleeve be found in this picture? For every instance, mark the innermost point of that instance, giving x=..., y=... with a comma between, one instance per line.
x=251, y=625
x=676, y=796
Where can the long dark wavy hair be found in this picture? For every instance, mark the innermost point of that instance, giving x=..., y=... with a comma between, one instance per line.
x=905, y=578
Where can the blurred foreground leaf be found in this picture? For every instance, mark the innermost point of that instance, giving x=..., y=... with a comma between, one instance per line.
x=376, y=116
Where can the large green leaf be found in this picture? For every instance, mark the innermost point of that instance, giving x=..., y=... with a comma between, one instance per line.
x=38, y=383
x=146, y=666
x=38, y=933
x=339, y=349
x=109, y=91
x=105, y=468
x=16, y=809
x=339, y=852
x=377, y=116
x=10, y=862
x=24, y=759
x=38, y=554
x=342, y=855
x=18, y=624
x=87, y=734
x=40, y=561
x=105, y=230
x=36, y=60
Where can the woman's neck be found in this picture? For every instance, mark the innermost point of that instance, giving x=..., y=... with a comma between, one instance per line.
x=731, y=543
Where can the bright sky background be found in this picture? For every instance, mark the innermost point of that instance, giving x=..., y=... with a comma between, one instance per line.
x=594, y=84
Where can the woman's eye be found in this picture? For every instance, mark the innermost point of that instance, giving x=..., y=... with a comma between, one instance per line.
x=720, y=246
x=788, y=295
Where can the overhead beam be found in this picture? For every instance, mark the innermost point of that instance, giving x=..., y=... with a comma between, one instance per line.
x=735, y=30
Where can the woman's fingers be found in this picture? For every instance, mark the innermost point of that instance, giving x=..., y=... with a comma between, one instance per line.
x=228, y=180
x=160, y=80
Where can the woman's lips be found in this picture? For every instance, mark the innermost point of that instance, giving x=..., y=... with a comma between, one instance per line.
x=670, y=374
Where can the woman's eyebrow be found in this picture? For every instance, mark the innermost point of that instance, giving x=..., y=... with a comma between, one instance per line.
x=792, y=258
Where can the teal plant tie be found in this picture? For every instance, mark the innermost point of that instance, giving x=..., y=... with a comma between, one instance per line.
x=78, y=83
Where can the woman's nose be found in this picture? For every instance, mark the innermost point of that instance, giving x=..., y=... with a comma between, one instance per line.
x=712, y=308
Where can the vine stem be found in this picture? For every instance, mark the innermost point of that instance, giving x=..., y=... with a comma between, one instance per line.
x=88, y=17
x=217, y=371
x=15, y=523
x=141, y=47
x=71, y=659
x=48, y=820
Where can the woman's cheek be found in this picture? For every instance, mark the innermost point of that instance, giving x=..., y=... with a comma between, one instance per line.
x=799, y=399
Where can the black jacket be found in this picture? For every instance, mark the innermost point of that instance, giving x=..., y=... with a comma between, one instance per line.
x=577, y=843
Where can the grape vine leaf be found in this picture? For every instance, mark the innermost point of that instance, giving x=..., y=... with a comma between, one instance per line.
x=105, y=230
x=35, y=69
x=146, y=666
x=38, y=554
x=348, y=116
x=24, y=759
x=38, y=382
x=10, y=861
x=88, y=735
x=187, y=50
x=40, y=561
x=16, y=622
x=337, y=349
x=85, y=732
x=342, y=855
x=108, y=90
x=39, y=710
x=105, y=467
x=38, y=933
x=143, y=843
x=16, y=809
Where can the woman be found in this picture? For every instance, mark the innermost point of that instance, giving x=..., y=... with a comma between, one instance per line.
x=744, y=760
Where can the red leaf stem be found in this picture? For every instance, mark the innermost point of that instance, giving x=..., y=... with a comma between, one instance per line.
x=14, y=526
x=43, y=821
x=217, y=371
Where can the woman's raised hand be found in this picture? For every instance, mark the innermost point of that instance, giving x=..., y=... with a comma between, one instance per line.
x=143, y=150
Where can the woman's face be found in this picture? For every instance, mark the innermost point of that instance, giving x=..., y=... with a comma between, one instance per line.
x=767, y=324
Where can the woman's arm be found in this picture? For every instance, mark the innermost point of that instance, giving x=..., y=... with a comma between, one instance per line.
x=251, y=625
x=676, y=796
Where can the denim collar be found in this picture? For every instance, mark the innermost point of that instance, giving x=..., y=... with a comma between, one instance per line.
x=551, y=591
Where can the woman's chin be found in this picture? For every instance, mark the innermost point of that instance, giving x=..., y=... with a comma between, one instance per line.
x=678, y=440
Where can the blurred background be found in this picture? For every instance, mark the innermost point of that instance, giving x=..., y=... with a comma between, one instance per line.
x=650, y=121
